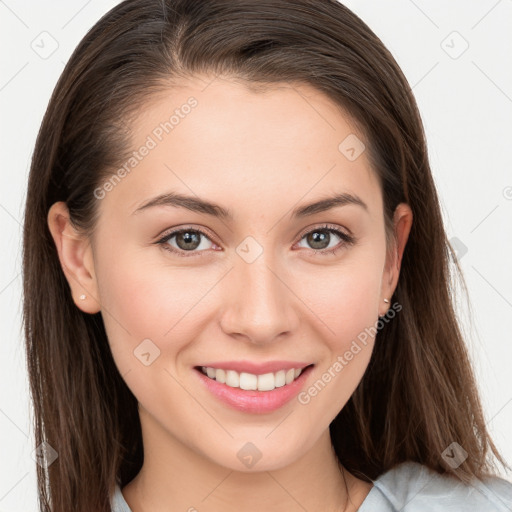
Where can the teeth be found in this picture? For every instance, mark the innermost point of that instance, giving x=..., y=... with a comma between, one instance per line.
x=220, y=375
x=249, y=381
x=232, y=379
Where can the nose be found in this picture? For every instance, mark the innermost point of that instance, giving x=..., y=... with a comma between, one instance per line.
x=259, y=304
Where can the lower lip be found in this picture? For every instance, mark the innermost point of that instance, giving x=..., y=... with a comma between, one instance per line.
x=258, y=402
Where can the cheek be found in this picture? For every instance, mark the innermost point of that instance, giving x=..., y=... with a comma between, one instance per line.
x=345, y=313
x=142, y=300
x=344, y=298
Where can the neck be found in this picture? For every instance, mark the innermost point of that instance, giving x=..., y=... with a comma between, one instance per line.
x=174, y=477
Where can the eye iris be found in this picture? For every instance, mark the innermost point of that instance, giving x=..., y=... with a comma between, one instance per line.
x=314, y=239
x=188, y=240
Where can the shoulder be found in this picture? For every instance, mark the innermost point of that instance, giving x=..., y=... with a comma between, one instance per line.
x=411, y=487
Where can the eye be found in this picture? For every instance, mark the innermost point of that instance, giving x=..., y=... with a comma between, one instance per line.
x=320, y=239
x=186, y=240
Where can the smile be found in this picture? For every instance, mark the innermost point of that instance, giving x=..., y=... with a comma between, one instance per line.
x=250, y=381
x=251, y=393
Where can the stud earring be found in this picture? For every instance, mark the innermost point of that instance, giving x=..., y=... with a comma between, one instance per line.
x=386, y=301
x=83, y=297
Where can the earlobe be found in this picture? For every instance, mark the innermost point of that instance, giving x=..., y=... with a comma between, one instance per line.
x=402, y=221
x=75, y=256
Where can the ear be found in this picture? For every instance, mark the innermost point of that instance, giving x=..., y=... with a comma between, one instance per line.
x=76, y=258
x=402, y=222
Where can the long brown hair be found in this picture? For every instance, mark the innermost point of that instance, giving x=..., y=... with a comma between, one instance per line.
x=418, y=394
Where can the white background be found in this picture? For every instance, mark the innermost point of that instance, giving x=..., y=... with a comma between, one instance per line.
x=466, y=105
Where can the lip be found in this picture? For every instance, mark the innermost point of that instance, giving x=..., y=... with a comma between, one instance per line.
x=256, y=402
x=255, y=368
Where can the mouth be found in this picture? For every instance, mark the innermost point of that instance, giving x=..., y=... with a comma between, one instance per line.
x=251, y=381
x=254, y=393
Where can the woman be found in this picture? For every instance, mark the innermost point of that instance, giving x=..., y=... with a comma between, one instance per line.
x=237, y=285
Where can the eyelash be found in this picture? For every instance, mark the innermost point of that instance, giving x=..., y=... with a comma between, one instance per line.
x=347, y=240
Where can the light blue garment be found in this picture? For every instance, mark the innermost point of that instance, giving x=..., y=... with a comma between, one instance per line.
x=412, y=487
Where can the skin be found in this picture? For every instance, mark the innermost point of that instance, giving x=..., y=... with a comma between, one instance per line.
x=260, y=155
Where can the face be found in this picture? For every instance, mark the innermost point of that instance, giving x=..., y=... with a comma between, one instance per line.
x=257, y=279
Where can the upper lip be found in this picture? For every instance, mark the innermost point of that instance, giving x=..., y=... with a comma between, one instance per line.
x=256, y=368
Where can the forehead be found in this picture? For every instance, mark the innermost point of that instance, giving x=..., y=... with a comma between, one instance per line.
x=220, y=139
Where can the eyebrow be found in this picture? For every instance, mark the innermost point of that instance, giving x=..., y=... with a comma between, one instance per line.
x=196, y=204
